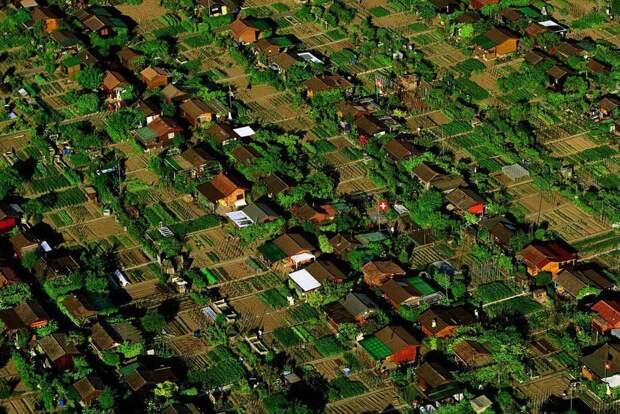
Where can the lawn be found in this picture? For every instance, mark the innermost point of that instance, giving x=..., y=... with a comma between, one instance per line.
x=379, y=11
x=329, y=346
x=273, y=298
x=376, y=348
x=493, y=291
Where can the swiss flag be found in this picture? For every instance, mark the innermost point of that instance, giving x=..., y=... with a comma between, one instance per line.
x=383, y=205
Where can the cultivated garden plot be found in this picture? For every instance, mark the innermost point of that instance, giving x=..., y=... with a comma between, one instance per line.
x=132, y=257
x=214, y=246
x=144, y=12
x=99, y=229
x=377, y=400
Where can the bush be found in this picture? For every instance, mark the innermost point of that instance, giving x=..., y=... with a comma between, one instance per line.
x=379, y=11
x=153, y=321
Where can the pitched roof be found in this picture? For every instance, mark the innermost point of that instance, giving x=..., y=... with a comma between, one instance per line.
x=501, y=228
x=380, y=268
x=472, y=353
x=172, y=93
x=113, y=79
x=540, y=254
x=534, y=57
x=87, y=386
x=219, y=187
x=152, y=73
x=195, y=107
x=358, y=303
x=57, y=345
x=240, y=25
x=609, y=354
x=197, y=156
x=23, y=315
x=399, y=291
x=557, y=72
x=396, y=338
x=259, y=212
x=434, y=374
x=400, y=149
x=327, y=82
x=573, y=280
x=325, y=271
x=222, y=133
x=8, y=276
x=292, y=244
x=103, y=337
x=609, y=310
x=275, y=184
x=78, y=306
x=442, y=317
x=245, y=154
x=341, y=244
x=284, y=60
x=141, y=377
x=464, y=198
x=426, y=172
x=499, y=35
x=609, y=103
x=126, y=54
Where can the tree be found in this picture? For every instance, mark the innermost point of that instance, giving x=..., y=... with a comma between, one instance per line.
x=587, y=291
x=166, y=389
x=87, y=103
x=153, y=321
x=347, y=332
x=9, y=180
x=5, y=389
x=324, y=244
x=90, y=77
x=106, y=400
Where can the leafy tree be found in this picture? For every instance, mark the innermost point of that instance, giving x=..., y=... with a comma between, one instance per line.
x=166, y=389
x=347, y=332
x=587, y=291
x=153, y=321
x=5, y=388
x=90, y=77
x=9, y=180
x=14, y=294
x=87, y=103
x=106, y=400
x=324, y=244
x=110, y=358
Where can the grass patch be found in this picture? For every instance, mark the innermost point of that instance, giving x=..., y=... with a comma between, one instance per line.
x=379, y=11
x=280, y=7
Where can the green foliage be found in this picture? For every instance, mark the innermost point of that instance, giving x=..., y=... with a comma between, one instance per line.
x=224, y=370
x=328, y=346
x=111, y=358
x=258, y=232
x=9, y=180
x=153, y=321
x=590, y=20
x=587, y=291
x=131, y=350
x=14, y=294
x=87, y=103
x=120, y=123
x=60, y=286
x=90, y=77
x=5, y=389
x=341, y=388
x=324, y=244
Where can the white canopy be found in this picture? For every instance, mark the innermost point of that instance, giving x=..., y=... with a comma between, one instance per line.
x=304, y=280
x=302, y=258
x=244, y=132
